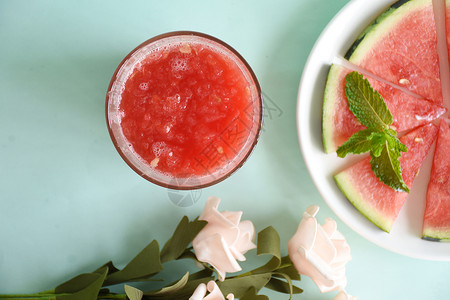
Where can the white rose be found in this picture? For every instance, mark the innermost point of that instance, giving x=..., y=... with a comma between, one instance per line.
x=214, y=292
x=224, y=240
x=320, y=252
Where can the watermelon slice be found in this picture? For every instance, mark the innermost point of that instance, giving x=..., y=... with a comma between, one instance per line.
x=339, y=123
x=376, y=201
x=401, y=47
x=436, y=221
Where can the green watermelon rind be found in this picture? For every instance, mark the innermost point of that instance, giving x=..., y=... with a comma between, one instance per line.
x=329, y=102
x=373, y=25
x=383, y=24
x=436, y=235
x=346, y=185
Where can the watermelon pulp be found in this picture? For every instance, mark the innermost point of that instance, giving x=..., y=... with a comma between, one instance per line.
x=339, y=123
x=436, y=222
x=401, y=46
x=376, y=201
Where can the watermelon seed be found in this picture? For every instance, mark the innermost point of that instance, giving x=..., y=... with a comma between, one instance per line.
x=404, y=81
x=154, y=162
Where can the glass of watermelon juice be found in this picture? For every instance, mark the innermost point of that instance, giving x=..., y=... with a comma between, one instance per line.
x=184, y=110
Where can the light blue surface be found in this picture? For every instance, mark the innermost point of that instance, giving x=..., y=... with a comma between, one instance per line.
x=68, y=201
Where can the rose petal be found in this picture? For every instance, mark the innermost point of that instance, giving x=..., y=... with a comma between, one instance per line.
x=215, y=251
x=218, y=222
x=211, y=214
x=229, y=234
x=321, y=268
x=312, y=210
x=337, y=236
x=199, y=292
x=310, y=265
x=342, y=295
x=214, y=292
x=343, y=251
x=306, y=234
x=233, y=216
x=243, y=244
x=211, y=205
x=246, y=237
x=236, y=254
x=330, y=227
x=323, y=246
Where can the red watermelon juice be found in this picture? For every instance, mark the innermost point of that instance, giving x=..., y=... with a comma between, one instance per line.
x=184, y=110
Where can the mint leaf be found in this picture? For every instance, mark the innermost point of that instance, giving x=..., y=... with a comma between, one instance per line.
x=358, y=143
x=386, y=165
x=378, y=138
x=366, y=103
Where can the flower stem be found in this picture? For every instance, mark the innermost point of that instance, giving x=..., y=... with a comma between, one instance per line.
x=113, y=296
x=29, y=296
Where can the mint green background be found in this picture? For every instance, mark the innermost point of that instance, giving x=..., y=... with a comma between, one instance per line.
x=68, y=203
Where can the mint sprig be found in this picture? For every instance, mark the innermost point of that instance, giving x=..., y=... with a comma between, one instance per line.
x=378, y=138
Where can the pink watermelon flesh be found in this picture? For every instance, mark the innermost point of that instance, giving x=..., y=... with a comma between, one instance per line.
x=408, y=111
x=375, y=200
x=436, y=221
x=447, y=24
x=406, y=53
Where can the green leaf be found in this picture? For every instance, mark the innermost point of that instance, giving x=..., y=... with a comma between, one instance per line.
x=386, y=165
x=110, y=266
x=288, y=268
x=82, y=287
x=366, y=103
x=378, y=140
x=144, y=265
x=238, y=286
x=251, y=294
x=175, y=287
x=183, y=289
x=205, y=273
x=133, y=293
x=359, y=142
x=181, y=238
x=184, y=293
x=268, y=243
x=283, y=286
